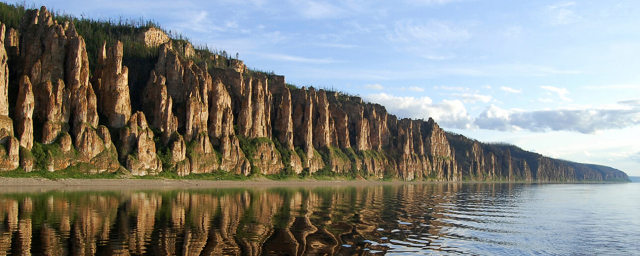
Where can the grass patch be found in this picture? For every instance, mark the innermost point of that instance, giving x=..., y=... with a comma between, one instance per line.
x=71, y=172
x=216, y=175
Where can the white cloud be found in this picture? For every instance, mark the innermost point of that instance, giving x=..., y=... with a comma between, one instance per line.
x=510, y=90
x=342, y=46
x=634, y=103
x=614, y=87
x=512, y=31
x=473, y=98
x=584, y=120
x=430, y=2
x=451, y=114
x=452, y=88
x=316, y=9
x=416, y=89
x=427, y=39
x=488, y=87
x=374, y=87
x=562, y=92
x=431, y=32
x=561, y=14
x=545, y=100
x=635, y=157
x=290, y=58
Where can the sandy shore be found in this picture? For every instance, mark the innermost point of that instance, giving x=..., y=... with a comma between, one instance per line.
x=16, y=185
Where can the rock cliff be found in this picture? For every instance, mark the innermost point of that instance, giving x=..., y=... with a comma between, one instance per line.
x=197, y=113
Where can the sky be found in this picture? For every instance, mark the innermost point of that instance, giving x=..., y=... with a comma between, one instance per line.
x=560, y=78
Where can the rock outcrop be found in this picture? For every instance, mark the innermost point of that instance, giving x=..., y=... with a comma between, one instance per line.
x=138, y=147
x=162, y=107
x=24, y=113
x=111, y=83
x=153, y=37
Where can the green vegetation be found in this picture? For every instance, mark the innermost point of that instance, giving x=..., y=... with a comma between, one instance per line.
x=301, y=154
x=46, y=153
x=291, y=86
x=10, y=15
x=248, y=146
x=285, y=155
x=325, y=174
x=71, y=172
x=372, y=154
x=216, y=175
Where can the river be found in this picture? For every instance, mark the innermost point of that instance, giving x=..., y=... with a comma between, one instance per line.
x=409, y=219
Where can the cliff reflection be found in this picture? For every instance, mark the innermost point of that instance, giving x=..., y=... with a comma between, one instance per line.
x=277, y=221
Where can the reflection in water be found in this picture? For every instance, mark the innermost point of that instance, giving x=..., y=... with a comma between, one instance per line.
x=408, y=219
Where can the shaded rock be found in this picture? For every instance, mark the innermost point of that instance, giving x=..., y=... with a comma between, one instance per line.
x=4, y=75
x=284, y=120
x=63, y=155
x=179, y=156
x=162, y=110
x=188, y=86
x=441, y=156
x=12, y=42
x=339, y=162
x=221, y=120
x=111, y=83
x=55, y=101
x=303, y=125
x=379, y=131
x=252, y=106
x=6, y=124
x=321, y=120
x=105, y=135
x=10, y=152
x=138, y=147
x=220, y=113
x=27, y=161
x=341, y=127
x=83, y=98
x=197, y=116
x=88, y=143
x=233, y=159
x=267, y=158
x=203, y=158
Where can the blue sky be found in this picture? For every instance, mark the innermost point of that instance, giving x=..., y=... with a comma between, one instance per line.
x=556, y=77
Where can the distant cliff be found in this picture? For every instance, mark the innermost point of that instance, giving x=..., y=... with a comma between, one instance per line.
x=131, y=99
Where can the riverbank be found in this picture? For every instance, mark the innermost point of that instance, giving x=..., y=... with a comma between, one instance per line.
x=9, y=185
x=23, y=185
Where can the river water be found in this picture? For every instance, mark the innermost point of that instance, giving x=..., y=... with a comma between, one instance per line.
x=410, y=219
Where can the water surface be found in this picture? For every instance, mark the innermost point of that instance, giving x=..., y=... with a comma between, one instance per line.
x=411, y=219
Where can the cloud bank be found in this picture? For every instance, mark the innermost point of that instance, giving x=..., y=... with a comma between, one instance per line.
x=453, y=114
x=448, y=113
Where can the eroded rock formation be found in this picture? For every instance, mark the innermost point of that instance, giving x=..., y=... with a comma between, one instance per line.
x=138, y=147
x=111, y=82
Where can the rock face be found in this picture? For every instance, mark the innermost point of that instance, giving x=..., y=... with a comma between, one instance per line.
x=153, y=37
x=139, y=148
x=222, y=132
x=111, y=81
x=211, y=113
x=162, y=107
x=440, y=154
x=24, y=114
x=10, y=153
x=55, y=95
